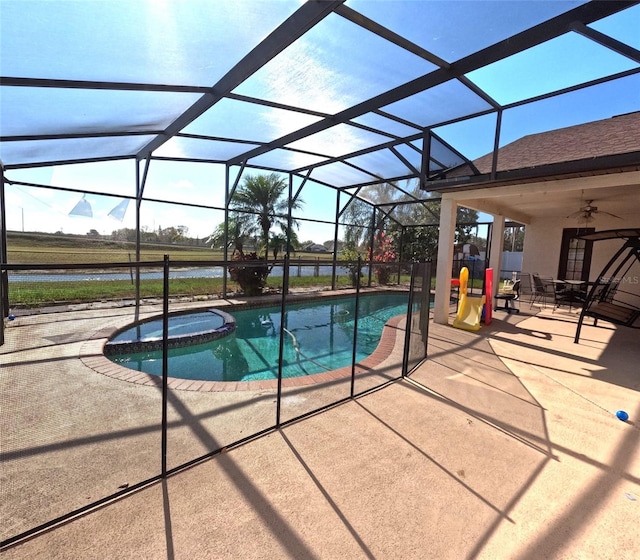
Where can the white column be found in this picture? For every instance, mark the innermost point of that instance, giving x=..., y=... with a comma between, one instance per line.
x=495, y=258
x=445, y=260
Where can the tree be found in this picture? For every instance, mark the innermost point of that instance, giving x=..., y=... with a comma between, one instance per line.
x=417, y=242
x=237, y=234
x=419, y=237
x=172, y=234
x=263, y=197
x=352, y=261
x=514, y=238
x=278, y=244
x=257, y=206
x=383, y=253
x=466, y=220
x=124, y=234
x=357, y=215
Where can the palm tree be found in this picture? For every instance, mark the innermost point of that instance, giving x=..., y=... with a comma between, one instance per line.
x=263, y=196
x=278, y=242
x=235, y=233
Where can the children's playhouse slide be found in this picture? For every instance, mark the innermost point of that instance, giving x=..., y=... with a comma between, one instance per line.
x=469, y=307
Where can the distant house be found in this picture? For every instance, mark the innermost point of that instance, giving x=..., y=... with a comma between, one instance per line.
x=315, y=248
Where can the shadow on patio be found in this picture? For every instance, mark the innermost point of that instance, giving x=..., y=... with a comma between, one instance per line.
x=503, y=445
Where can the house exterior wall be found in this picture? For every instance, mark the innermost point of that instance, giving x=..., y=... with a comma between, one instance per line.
x=604, y=250
x=543, y=238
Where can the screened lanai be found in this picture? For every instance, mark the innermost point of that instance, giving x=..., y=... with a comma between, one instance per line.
x=127, y=121
x=345, y=95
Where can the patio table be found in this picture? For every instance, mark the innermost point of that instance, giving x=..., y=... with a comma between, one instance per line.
x=573, y=289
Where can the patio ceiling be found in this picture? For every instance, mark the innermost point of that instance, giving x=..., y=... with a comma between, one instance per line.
x=346, y=93
x=541, y=200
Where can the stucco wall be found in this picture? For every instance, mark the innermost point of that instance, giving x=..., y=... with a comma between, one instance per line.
x=544, y=236
x=542, y=246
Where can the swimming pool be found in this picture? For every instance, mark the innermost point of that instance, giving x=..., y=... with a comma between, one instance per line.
x=318, y=338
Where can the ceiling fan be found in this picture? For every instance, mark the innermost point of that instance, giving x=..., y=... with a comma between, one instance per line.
x=588, y=211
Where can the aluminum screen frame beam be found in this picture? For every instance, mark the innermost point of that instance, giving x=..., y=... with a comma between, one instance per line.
x=294, y=27
x=587, y=13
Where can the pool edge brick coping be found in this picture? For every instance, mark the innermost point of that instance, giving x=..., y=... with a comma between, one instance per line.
x=92, y=356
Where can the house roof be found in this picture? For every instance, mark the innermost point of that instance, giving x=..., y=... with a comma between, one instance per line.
x=592, y=143
x=616, y=135
x=552, y=174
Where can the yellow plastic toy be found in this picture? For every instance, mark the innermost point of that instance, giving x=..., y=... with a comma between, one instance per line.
x=469, y=307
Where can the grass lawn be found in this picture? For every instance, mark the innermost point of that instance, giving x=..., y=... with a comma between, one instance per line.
x=35, y=294
x=42, y=248
x=33, y=248
x=38, y=249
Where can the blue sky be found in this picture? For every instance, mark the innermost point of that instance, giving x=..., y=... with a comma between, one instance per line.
x=332, y=67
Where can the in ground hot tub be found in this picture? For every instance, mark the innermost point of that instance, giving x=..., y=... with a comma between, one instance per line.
x=185, y=328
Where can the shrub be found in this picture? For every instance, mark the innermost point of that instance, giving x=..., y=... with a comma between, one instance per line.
x=251, y=278
x=382, y=253
x=352, y=264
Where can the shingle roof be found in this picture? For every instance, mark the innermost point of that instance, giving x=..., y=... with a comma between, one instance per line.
x=616, y=135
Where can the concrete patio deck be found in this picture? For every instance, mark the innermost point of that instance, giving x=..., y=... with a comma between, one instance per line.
x=503, y=445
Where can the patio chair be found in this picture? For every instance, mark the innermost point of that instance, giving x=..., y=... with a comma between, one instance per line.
x=526, y=287
x=547, y=289
x=509, y=298
x=539, y=291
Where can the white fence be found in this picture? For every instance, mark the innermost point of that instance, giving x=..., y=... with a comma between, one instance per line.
x=511, y=261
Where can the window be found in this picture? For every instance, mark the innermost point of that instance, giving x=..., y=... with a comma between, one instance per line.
x=575, y=255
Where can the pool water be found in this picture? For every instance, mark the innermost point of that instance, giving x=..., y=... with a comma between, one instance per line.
x=318, y=337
